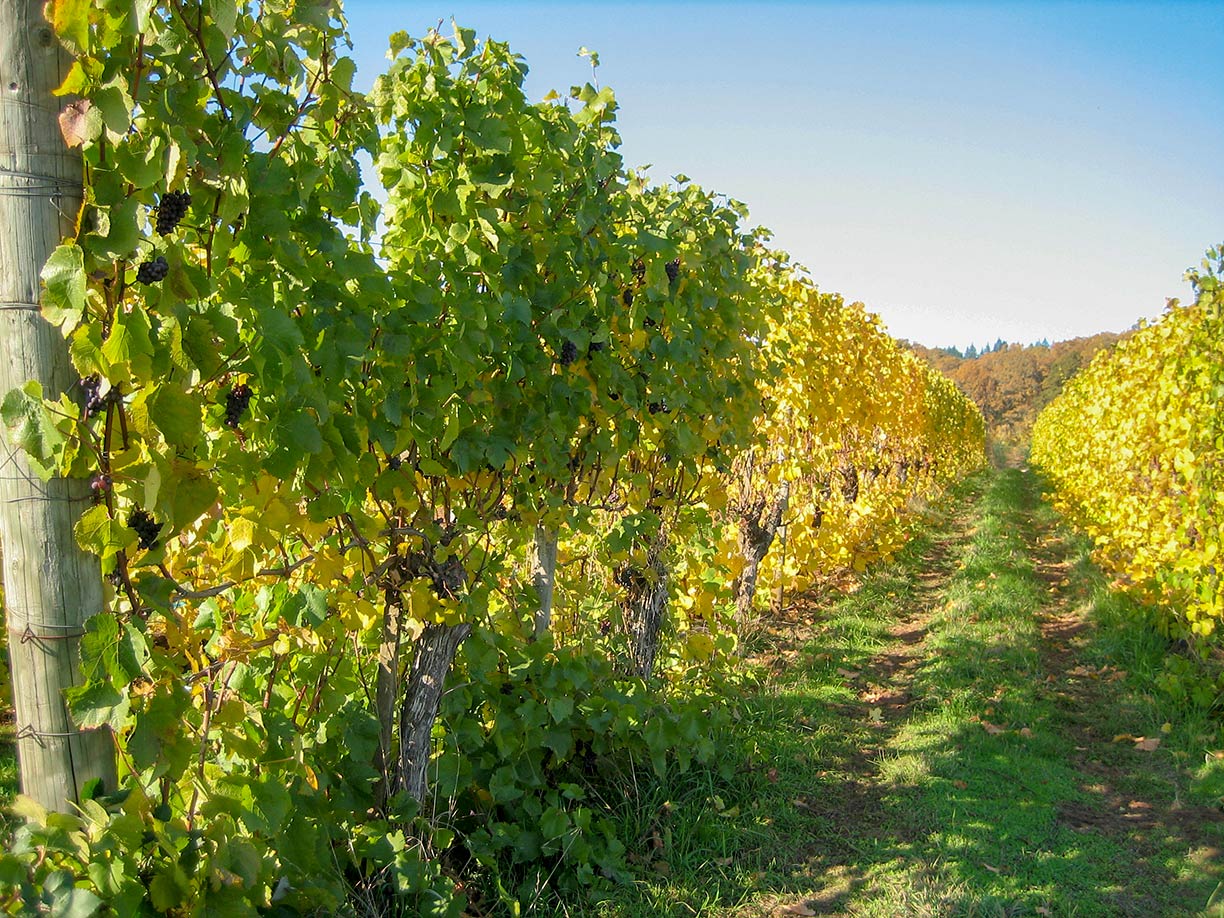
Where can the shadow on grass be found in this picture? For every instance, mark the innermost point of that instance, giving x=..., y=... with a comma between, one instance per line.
x=922, y=755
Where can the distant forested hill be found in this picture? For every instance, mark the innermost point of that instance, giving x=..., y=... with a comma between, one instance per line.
x=1011, y=383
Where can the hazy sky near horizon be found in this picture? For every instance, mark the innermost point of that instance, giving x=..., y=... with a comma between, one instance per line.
x=970, y=171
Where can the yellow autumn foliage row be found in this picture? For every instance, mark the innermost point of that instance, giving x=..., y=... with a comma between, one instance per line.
x=857, y=427
x=1134, y=449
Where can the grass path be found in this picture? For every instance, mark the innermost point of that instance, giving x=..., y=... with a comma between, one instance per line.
x=943, y=742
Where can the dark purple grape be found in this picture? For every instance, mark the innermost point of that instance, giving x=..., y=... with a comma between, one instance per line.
x=152, y=272
x=171, y=210
x=236, y=402
x=91, y=388
x=145, y=527
x=569, y=353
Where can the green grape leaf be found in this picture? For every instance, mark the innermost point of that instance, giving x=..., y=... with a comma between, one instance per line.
x=32, y=428
x=177, y=415
x=96, y=532
x=128, y=350
x=63, y=278
x=98, y=704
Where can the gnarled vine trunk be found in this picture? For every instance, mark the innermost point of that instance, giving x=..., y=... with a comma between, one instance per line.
x=758, y=525
x=645, y=606
x=542, y=564
x=434, y=652
x=387, y=691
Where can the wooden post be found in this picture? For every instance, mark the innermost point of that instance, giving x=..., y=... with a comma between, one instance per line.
x=51, y=587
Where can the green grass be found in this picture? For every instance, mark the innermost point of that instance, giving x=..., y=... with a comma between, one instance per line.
x=941, y=743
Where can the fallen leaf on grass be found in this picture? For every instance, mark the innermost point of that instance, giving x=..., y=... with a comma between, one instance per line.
x=848, y=673
x=876, y=715
x=772, y=775
x=1026, y=732
x=723, y=861
x=993, y=729
x=1149, y=744
x=993, y=869
x=798, y=908
x=1042, y=910
x=961, y=785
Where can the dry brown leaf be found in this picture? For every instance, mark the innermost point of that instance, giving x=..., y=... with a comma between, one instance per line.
x=796, y=908
x=993, y=729
x=723, y=861
x=74, y=122
x=1042, y=910
x=772, y=775
x=960, y=785
x=1026, y=732
x=992, y=869
x=1148, y=744
x=848, y=673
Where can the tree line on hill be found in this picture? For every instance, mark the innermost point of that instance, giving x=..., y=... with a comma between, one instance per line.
x=1011, y=383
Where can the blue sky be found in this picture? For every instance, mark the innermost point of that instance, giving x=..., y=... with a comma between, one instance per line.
x=970, y=171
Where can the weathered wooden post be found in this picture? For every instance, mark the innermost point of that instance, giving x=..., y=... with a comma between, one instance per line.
x=51, y=586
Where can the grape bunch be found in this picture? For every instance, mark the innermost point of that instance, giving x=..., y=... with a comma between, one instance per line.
x=99, y=485
x=145, y=527
x=171, y=210
x=627, y=297
x=673, y=270
x=236, y=401
x=595, y=347
x=569, y=353
x=151, y=272
x=95, y=402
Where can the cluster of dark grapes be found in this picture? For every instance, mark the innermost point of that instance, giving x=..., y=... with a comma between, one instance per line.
x=146, y=528
x=569, y=353
x=595, y=347
x=99, y=485
x=394, y=463
x=95, y=402
x=171, y=210
x=673, y=269
x=629, y=577
x=659, y=407
x=236, y=401
x=152, y=272
x=627, y=297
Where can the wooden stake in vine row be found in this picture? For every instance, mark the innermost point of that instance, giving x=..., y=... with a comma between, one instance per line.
x=51, y=587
